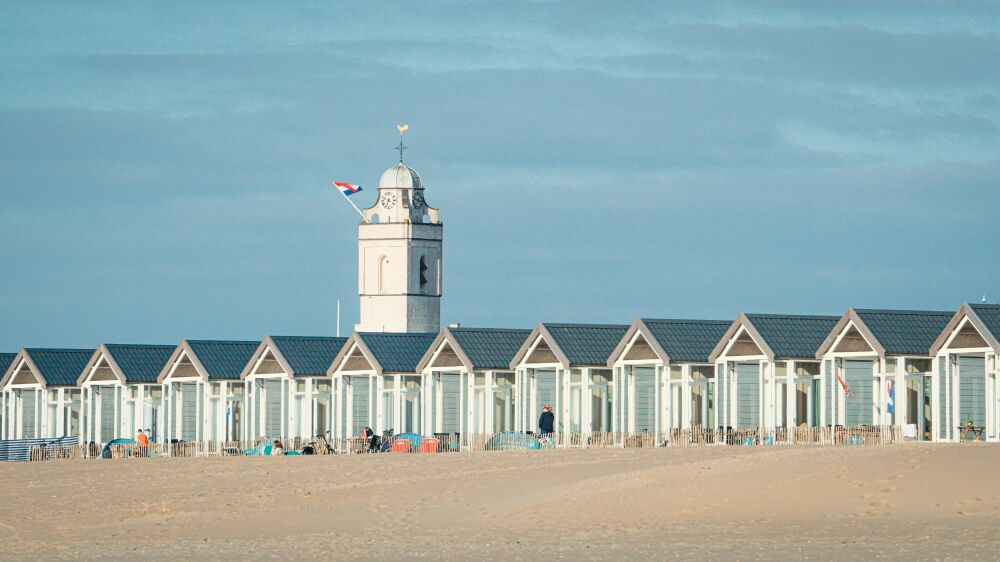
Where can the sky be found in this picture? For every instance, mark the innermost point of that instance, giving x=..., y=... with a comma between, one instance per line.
x=165, y=168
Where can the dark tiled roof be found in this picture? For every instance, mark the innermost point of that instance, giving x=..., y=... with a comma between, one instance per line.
x=398, y=353
x=140, y=363
x=308, y=355
x=990, y=315
x=60, y=366
x=905, y=331
x=687, y=340
x=5, y=360
x=490, y=348
x=587, y=344
x=793, y=336
x=223, y=359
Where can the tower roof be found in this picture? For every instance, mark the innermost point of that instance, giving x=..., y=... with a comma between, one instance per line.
x=400, y=176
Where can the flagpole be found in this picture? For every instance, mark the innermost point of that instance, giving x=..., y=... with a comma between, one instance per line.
x=355, y=206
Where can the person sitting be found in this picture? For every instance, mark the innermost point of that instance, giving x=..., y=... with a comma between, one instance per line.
x=277, y=449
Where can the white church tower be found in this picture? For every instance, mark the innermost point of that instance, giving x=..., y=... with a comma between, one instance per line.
x=399, y=257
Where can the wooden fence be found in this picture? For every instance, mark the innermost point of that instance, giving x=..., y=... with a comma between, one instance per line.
x=458, y=443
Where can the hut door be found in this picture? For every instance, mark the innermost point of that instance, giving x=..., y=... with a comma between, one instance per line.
x=359, y=404
x=451, y=388
x=748, y=395
x=27, y=399
x=545, y=392
x=105, y=396
x=972, y=390
x=189, y=411
x=645, y=398
x=272, y=408
x=859, y=378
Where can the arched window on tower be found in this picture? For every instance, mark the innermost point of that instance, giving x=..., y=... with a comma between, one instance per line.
x=423, y=274
x=383, y=275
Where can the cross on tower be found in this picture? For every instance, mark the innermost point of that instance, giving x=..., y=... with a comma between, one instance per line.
x=402, y=129
x=401, y=148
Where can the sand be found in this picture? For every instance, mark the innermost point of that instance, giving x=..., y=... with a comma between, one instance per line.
x=911, y=501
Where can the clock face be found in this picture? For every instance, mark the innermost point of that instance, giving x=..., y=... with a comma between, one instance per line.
x=418, y=200
x=388, y=199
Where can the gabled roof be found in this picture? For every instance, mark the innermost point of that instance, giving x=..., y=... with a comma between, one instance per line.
x=387, y=352
x=678, y=340
x=489, y=348
x=5, y=361
x=793, y=336
x=136, y=362
x=214, y=359
x=575, y=344
x=397, y=353
x=781, y=335
x=308, y=355
x=478, y=348
x=985, y=318
x=989, y=315
x=687, y=340
x=59, y=367
x=891, y=332
x=298, y=355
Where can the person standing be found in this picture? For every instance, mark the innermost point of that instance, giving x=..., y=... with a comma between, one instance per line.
x=547, y=421
x=142, y=442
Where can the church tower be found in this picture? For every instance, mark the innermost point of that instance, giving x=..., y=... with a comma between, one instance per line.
x=399, y=257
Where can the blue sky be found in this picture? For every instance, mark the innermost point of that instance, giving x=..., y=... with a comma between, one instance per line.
x=165, y=169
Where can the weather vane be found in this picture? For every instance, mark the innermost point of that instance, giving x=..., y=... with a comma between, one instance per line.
x=402, y=129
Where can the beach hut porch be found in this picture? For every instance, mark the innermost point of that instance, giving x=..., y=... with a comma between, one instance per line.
x=965, y=377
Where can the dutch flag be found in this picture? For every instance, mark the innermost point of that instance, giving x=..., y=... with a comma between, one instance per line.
x=347, y=188
x=890, y=405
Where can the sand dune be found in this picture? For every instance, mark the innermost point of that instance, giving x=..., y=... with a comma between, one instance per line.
x=925, y=502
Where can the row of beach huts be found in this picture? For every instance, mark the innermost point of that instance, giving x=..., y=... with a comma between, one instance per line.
x=929, y=374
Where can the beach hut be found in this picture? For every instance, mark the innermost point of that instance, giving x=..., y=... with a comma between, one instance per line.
x=759, y=360
x=467, y=382
x=40, y=396
x=876, y=370
x=118, y=385
x=289, y=394
x=202, y=392
x=966, y=372
x=663, y=377
x=376, y=383
x=566, y=366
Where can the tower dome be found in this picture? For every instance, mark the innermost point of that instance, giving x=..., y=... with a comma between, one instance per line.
x=400, y=176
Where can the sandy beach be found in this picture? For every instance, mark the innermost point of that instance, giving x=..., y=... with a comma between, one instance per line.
x=924, y=502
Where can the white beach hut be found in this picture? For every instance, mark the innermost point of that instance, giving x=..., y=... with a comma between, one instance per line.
x=120, y=392
x=877, y=371
x=289, y=394
x=202, y=392
x=761, y=361
x=467, y=382
x=376, y=383
x=966, y=372
x=566, y=366
x=40, y=394
x=663, y=377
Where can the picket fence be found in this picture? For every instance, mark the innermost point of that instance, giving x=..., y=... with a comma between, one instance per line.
x=458, y=443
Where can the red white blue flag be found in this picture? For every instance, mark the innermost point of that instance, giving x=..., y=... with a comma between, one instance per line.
x=347, y=188
x=891, y=402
